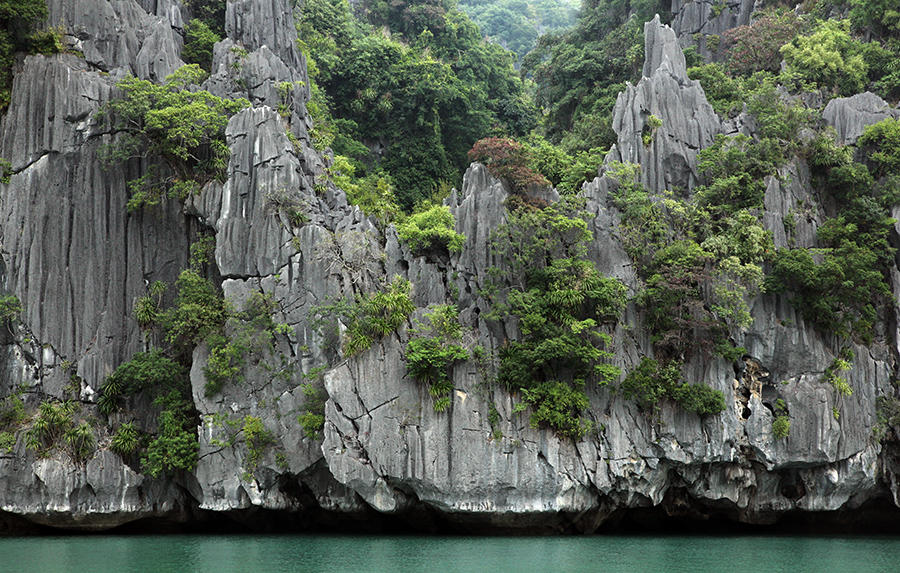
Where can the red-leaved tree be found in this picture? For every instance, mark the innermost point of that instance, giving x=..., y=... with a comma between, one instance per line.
x=507, y=159
x=756, y=47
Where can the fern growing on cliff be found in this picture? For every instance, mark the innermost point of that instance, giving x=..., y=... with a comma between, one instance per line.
x=434, y=350
x=371, y=317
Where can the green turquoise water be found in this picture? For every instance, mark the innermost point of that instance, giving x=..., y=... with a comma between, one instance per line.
x=312, y=553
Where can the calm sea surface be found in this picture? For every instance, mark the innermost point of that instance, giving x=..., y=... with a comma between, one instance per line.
x=311, y=553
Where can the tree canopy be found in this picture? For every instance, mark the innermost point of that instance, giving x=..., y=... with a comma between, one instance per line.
x=417, y=82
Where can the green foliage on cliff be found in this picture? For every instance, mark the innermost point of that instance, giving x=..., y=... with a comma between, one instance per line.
x=12, y=411
x=200, y=314
x=433, y=351
x=841, y=285
x=578, y=73
x=888, y=415
x=7, y=442
x=373, y=193
x=257, y=438
x=55, y=426
x=126, y=440
x=829, y=57
x=881, y=144
x=210, y=12
x=199, y=41
x=10, y=308
x=18, y=20
x=48, y=427
x=650, y=383
x=80, y=442
x=835, y=292
x=369, y=318
x=225, y=362
x=152, y=371
x=563, y=307
x=175, y=446
x=249, y=332
x=312, y=419
x=181, y=129
x=199, y=311
x=431, y=230
x=735, y=168
x=724, y=93
x=673, y=299
x=153, y=375
x=781, y=425
x=700, y=258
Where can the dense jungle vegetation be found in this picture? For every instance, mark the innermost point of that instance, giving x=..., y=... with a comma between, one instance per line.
x=517, y=24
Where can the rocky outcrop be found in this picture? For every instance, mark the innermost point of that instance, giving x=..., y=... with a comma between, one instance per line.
x=700, y=23
x=77, y=260
x=851, y=115
x=102, y=494
x=664, y=120
x=74, y=255
x=120, y=34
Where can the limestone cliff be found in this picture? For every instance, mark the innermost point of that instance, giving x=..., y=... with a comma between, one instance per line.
x=700, y=23
x=77, y=260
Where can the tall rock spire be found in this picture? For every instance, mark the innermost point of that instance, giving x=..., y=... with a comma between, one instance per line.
x=665, y=119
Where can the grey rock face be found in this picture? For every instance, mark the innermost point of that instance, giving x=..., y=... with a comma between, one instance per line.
x=250, y=241
x=791, y=211
x=695, y=20
x=660, y=45
x=68, y=230
x=77, y=260
x=172, y=10
x=665, y=94
x=101, y=494
x=120, y=34
x=384, y=440
x=478, y=209
x=255, y=23
x=851, y=115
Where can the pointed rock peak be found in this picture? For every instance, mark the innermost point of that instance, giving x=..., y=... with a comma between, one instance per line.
x=660, y=45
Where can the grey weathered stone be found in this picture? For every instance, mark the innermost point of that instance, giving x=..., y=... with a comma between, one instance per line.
x=100, y=494
x=695, y=20
x=479, y=210
x=791, y=212
x=256, y=23
x=159, y=55
x=172, y=10
x=661, y=47
x=250, y=240
x=120, y=34
x=851, y=115
x=382, y=432
x=665, y=92
x=68, y=229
